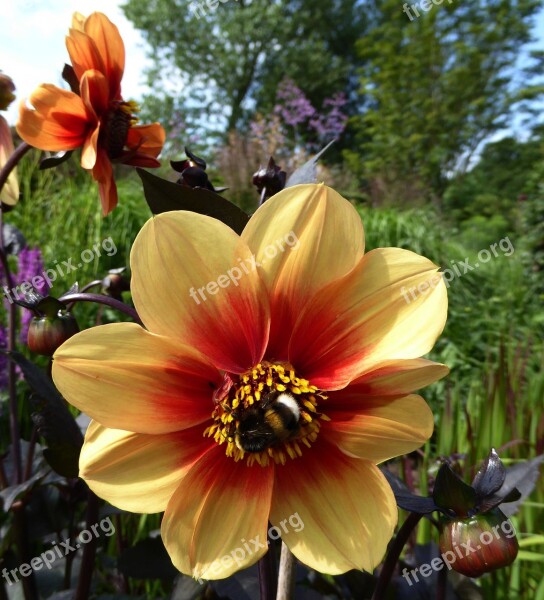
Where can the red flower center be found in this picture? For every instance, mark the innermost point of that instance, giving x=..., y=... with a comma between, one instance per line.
x=267, y=412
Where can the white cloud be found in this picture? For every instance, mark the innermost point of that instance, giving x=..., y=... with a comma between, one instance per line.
x=32, y=48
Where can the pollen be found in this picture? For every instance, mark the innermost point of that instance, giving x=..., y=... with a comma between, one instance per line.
x=267, y=414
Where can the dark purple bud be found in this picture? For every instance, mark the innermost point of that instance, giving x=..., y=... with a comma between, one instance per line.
x=270, y=179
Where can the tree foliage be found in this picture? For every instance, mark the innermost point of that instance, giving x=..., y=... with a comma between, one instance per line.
x=232, y=58
x=434, y=88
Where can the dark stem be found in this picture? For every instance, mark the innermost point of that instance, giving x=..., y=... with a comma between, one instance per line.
x=12, y=162
x=393, y=554
x=441, y=584
x=89, y=551
x=12, y=392
x=101, y=299
x=267, y=573
x=90, y=285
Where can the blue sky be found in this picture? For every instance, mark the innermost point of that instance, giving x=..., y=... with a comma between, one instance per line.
x=32, y=49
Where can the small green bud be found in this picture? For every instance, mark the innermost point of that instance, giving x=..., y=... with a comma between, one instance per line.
x=46, y=334
x=478, y=544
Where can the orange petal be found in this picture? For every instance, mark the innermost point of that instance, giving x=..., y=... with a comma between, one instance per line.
x=111, y=49
x=103, y=173
x=147, y=139
x=83, y=52
x=305, y=237
x=193, y=279
x=390, y=378
x=90, y=150
x=334, y=512
x=382, y=428
x=357, y=323
x=216, y=521
x=95, y=92
x=135, y=471
x=127, y=378
x=60, y=120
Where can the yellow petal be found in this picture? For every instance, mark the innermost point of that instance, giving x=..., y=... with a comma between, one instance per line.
x=357, y=323
x=138, y=472
x=193, y=279
x=127, y=378
x=382, y=429
x=10, y=192
x=78, y=21
x=342, y=510
x=391, y=378
x=305, y=237
x=216, y=521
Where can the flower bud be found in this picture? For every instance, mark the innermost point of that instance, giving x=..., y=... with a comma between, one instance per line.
x=478, y=544
x=114, y=284
x=6, y=91
x=271, y=178
x=46, y=334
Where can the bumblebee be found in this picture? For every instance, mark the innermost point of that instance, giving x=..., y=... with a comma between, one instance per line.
x=273, y=420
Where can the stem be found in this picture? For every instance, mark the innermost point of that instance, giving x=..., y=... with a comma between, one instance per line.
x=267, y=583
x=12, y=392
x=393, y=555
x=101, y=299
x=441, y=584
x=267, y=573
x=286, y=578
x=90, y=285
x=89, y=551
x=12, y=162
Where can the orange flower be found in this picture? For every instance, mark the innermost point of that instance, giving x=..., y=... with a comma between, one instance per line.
x=276, y=371
x=98, y=120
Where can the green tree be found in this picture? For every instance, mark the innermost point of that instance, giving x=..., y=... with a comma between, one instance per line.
x=434, y=87
x=231, y=59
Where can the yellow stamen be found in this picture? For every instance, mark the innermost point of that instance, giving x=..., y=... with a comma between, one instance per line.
x=251, y=400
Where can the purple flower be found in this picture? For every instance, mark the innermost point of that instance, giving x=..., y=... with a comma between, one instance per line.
x=333, y=123
x=30, y=266
x=293, y=106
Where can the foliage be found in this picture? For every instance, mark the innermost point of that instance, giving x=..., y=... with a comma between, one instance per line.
x=434, y=88
x=254, y=45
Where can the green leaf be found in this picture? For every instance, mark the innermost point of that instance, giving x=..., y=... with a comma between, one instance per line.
x=521, y=476
x=13, y=492
x=55, y=160
x=163, y=196
x=451, y=492
x=53, y=419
